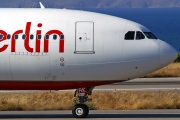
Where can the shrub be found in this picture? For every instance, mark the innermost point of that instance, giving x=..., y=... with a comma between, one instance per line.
x=178, y=58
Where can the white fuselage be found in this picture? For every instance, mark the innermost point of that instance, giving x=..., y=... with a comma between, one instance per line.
x=67, y=45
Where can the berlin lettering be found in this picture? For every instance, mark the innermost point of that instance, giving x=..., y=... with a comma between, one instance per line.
x=27, y=41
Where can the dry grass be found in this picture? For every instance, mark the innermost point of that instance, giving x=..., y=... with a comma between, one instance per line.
x=172, y=70
x=101, y=101
x=136, y=100
x=36, y=101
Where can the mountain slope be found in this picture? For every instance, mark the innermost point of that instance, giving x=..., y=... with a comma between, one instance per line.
x=80, y=4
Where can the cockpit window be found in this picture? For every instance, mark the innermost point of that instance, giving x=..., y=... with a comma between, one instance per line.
x=129, y=35
x=139, y=35
x=150, y=35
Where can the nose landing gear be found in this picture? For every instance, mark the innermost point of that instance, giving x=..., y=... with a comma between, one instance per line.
x=80, y=110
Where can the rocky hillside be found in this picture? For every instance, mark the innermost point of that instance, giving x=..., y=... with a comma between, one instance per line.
x=80, y=4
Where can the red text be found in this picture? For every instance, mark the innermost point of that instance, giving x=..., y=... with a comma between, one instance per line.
x=27, y=39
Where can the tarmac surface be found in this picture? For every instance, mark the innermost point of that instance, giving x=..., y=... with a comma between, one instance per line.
x=140, y=84
x=144, y=84
x=94, y=115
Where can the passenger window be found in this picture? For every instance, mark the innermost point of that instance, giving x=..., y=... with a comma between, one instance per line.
x=39, y=37
x=1, y=36
x=47, y=37
x=16, y=37
x=129, y=35
x=54, y=37
x=31, y=36
x=23, y=36
x=62, y=37
x=8, y=36
x=139, y=35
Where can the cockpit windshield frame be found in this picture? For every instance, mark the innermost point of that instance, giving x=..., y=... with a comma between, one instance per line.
x=139, y=35
x=150, y=35
x=129, y=35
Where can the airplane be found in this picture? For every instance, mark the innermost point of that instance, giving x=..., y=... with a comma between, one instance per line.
x=59, y=49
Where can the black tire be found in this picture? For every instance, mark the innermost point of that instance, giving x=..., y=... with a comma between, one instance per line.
x=80, y=111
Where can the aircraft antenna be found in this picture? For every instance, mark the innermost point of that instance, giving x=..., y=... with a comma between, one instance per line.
x=41, y=5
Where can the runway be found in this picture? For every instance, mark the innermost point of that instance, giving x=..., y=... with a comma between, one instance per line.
x=94, y=115
x=140, y=84
x=144, y=84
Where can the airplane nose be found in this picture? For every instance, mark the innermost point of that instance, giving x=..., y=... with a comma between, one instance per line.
x=167, y=53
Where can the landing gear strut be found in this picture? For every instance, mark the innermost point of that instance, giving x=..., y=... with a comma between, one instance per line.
x=80, y=110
